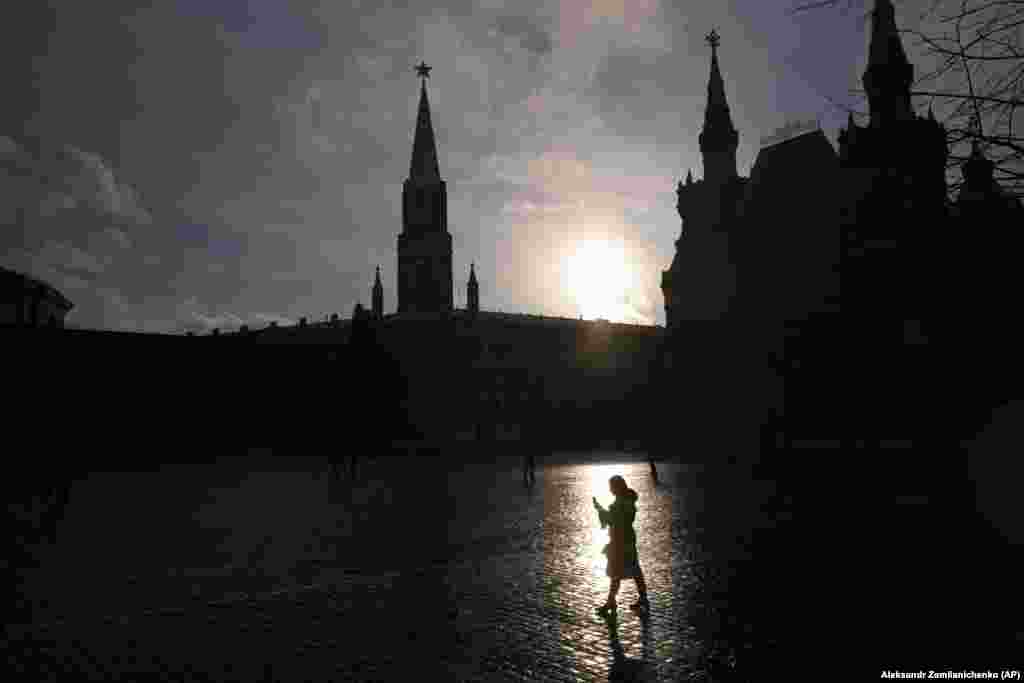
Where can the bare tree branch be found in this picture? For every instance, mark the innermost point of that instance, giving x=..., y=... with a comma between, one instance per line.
x=976, y=75
x=813, y=5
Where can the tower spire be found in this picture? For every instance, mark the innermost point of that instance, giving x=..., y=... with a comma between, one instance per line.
x=718, y=139
x=424, y=245
x=889, y=74
x=716, y=114
x=424, y=166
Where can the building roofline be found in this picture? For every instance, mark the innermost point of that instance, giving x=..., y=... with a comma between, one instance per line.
x=39, y=284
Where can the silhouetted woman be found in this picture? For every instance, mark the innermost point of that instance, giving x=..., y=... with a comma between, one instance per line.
x=623, y=562
x=337, y=468
x=529, y=469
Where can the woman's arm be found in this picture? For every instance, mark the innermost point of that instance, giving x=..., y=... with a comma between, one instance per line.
x=602, y=514
x=615, y=516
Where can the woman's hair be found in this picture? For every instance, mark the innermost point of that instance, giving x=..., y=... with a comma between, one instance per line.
x=618, y=484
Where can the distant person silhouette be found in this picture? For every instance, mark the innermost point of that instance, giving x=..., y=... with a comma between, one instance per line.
x=338, y=468
x=529, y=468
x=623, y=562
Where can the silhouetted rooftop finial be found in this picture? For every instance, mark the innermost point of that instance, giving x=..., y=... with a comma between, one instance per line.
x=422, y=70
x=713, y=39
x=689, y=176
x=975, y=124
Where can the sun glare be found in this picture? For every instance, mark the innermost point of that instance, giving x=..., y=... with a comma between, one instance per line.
x=598, y=279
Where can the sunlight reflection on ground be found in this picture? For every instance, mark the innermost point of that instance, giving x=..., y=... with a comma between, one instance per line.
x=520, y=557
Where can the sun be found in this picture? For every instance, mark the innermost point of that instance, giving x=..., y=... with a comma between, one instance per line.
x=598, y=276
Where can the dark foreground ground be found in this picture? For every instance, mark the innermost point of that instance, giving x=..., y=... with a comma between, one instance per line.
x=261, y=568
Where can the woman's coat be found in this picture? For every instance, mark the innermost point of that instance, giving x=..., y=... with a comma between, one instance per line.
x=621, y=549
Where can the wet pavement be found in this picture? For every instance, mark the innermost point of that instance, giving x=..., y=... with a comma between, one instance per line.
x=270, y=571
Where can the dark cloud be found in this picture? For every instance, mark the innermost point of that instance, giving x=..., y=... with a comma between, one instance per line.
x=531, y=35
x=199, y=163
x=641, y=95
x=25, y=42
x=635, y=76
x=72, y=221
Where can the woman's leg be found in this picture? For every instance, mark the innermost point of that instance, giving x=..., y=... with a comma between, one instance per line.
x=641, y=586
x=613, y=590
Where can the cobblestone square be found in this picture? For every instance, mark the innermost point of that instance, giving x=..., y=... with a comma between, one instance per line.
x=410, y=573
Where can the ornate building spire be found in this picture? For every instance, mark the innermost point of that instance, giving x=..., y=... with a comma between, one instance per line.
x=889, y=74
x=424, y=245
x=717, y=112
x=424, y=150
x=718, y=139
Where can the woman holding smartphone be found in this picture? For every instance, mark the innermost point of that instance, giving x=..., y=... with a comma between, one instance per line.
x=623, y=562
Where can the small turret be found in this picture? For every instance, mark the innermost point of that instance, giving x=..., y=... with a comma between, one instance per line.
x=978, y=171
x=472, y=292
x=847, y=139
x=378, y=297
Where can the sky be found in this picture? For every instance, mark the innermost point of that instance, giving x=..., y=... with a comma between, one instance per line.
x=208, y=163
